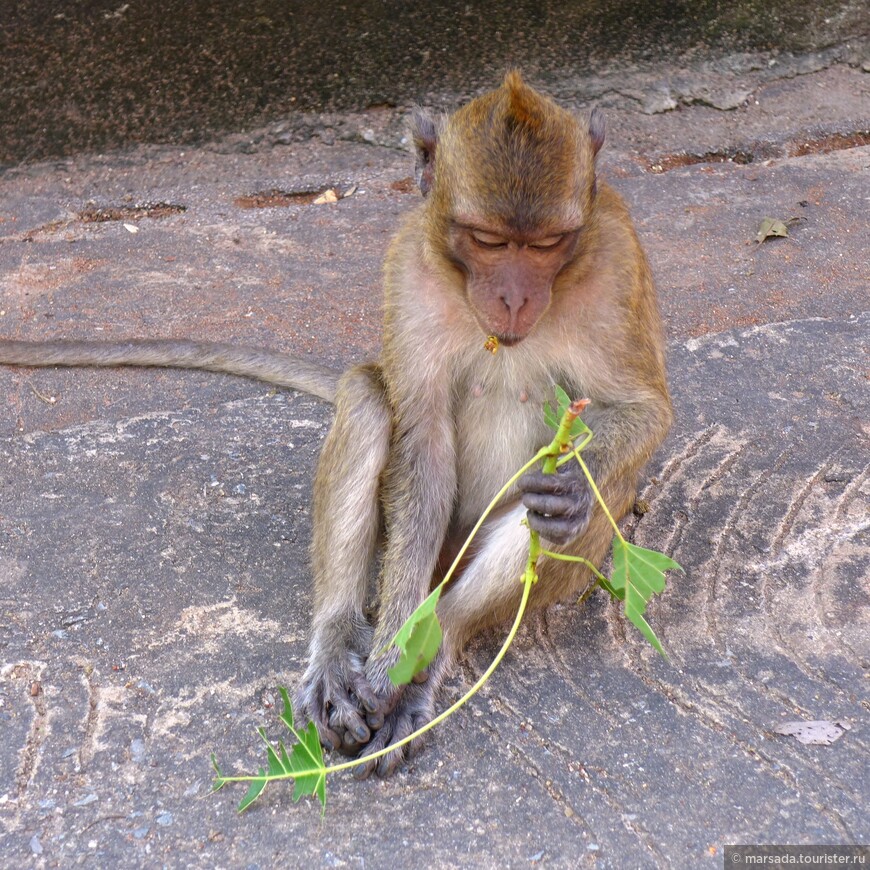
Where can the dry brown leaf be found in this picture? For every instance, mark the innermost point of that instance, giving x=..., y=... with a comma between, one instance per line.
x=327, y=196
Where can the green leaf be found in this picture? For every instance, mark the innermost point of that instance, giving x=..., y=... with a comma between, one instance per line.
x=638, y=574
x=307, y=754
x=639, y=622
x=578, y=427
x=639, y=567
x=286, y=714
x=552, y=417
x=254, y=791
x=276, y=765
x=616, y=593
x=428, y=606
x=418, y=640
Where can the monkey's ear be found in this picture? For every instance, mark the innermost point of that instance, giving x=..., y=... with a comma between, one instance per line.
x=596, y=130
x=425, y=130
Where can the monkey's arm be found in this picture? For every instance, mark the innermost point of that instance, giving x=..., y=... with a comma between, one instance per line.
x=417, y=497
x=262, y=364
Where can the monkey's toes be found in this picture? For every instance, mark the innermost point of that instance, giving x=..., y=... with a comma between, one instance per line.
x=412, y=710
x=394, y=731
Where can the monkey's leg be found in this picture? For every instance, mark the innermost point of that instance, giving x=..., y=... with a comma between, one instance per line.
x=334, y=693
x=489, y=591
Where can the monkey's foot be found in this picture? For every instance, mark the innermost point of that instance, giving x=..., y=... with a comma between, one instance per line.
x=336, y=696
x=414, y=707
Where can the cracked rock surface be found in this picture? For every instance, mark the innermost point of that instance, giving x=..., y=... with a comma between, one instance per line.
x=154, y=589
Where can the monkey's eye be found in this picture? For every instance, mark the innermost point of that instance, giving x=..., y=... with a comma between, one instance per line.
x=488, y=240
x=549, y=242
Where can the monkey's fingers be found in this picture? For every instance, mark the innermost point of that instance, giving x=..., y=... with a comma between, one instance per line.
x=327, y=736
x=345, y=719
x=385, y=706
x=567, y=479
x=365, y=693
x=310, y=707
x=548, y=505
x=402, y=726
x=555, y=530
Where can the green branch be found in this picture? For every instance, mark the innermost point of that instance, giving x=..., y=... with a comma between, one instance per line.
x=637, y=575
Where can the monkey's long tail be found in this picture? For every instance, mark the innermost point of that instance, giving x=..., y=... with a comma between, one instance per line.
x=262, y=364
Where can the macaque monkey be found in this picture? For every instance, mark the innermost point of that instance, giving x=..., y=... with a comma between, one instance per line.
x=515, y=238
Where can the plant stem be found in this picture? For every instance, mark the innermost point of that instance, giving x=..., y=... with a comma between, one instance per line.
x=550, y=458
x=597, y=493
x=565, y=558
x=541, y=454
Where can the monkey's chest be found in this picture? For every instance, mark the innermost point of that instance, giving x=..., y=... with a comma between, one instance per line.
x=499, y=426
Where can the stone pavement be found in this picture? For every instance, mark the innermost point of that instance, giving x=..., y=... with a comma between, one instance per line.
x=153, y=524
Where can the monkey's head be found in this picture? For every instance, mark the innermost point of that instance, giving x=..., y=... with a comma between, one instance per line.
x=510, y=184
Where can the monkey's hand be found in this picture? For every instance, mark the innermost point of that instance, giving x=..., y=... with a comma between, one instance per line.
x=559, y=505
x=336, y=696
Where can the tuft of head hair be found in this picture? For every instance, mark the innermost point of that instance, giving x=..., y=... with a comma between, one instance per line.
x=517, y=157
x=523, y=105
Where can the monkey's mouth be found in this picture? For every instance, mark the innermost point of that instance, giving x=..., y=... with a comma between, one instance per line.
x=509, y=340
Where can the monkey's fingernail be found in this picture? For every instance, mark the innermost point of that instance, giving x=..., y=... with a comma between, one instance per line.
x=362, y=733
x=375, y=720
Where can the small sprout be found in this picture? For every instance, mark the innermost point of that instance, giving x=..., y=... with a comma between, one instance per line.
x=303, y=763
x=491, y=344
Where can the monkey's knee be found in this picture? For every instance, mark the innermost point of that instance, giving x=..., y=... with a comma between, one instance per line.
x=358, y=443
x=352, y=459
x=361, y=397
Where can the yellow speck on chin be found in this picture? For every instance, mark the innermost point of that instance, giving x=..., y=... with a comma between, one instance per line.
x=491, y=344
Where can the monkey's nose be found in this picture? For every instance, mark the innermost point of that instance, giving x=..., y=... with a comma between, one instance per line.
x=514, y=302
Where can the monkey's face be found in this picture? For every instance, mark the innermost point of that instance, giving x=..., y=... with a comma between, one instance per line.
x=509, y=276
x=510, y=180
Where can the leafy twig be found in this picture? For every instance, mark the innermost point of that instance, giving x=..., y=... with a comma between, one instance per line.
x=637, y=575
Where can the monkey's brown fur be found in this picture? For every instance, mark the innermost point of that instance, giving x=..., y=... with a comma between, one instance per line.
x=514, y=237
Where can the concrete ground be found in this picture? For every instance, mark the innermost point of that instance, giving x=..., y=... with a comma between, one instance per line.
x=154, y=589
